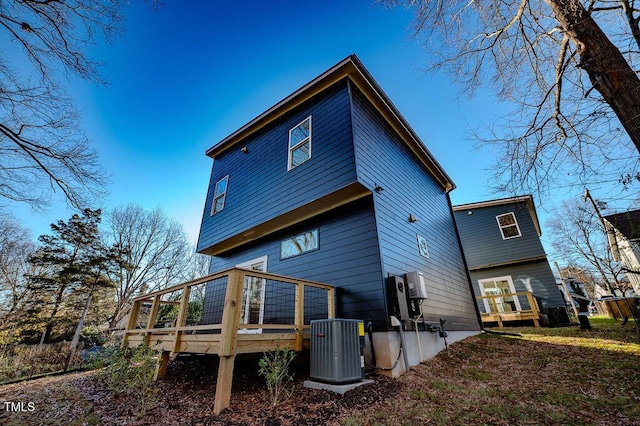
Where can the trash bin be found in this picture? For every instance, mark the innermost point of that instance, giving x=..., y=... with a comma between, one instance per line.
x=583, y=318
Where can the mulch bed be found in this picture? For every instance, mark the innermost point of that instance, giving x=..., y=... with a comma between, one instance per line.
x=187, y=396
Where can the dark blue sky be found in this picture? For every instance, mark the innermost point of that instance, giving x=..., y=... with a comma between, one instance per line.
x=187, y=75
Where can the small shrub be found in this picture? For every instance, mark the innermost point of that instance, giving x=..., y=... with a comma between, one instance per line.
x=274, y=367
x=130, y=371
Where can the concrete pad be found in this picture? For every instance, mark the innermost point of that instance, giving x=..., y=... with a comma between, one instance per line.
x=341, y=389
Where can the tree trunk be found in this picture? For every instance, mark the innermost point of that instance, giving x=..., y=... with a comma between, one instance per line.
x=76, y=335
x=49, y=326
x=607, y=68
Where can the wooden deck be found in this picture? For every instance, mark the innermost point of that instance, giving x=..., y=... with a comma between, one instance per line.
x=509, y=307
x=165, y=321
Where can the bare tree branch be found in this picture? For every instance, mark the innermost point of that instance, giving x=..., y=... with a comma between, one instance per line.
x=42, y=146
x=574, y=96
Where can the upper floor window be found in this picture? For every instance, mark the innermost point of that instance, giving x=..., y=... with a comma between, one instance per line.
x=300, y=143
x=508, y=226
x=219, y=195
x=299, y=244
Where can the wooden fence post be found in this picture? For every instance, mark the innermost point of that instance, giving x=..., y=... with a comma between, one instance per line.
x=228, y=338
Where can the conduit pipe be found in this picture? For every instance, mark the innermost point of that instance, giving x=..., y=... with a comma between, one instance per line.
x=395, y=322
x=415, y=321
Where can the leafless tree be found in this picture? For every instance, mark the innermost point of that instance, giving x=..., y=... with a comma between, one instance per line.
x=42, y=148
x=16, y=246
x=568, y=68
x=579, y=238
x=155, y=252
x=198, y=265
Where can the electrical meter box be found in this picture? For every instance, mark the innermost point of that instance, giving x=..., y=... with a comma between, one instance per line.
x=337, y=350
x=399, y=297
x=416, y=285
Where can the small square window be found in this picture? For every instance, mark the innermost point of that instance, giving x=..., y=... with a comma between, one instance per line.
x=219, y=195
x=299, y=244
x=508, y=226
x=299, y=144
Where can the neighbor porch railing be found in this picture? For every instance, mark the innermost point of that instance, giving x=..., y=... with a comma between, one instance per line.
x=227, y=313
x=509, y=307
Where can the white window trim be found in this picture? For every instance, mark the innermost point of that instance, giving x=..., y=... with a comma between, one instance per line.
x=515, y=223
x=512, y=288
x=223, y=195
x=292, y=148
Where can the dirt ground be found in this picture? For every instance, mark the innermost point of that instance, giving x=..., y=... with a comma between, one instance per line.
x=186, y=398
x=569, y=377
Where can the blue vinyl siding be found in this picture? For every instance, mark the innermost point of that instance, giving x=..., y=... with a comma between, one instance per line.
x=537, y=273
x=260, y=187
x=348, y=258
x=482, y=240
x=408, y=188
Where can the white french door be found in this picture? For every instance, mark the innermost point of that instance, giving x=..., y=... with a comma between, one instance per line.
x=253, y=295
x=498, y=286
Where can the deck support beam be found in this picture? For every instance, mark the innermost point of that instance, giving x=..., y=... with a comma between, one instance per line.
x=163, y=363
x=228, y=339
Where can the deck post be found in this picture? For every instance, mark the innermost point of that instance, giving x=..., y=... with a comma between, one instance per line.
x=152, y=318
x=163, y=363
x=228, y=339
x=299, y=314
x=331, y=297
x=535, y=310
x=494, y=304
x=181, y=320
x=131, y=323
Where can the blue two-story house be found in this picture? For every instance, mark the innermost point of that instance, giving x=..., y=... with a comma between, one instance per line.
x=501, y=241
x=331, y=184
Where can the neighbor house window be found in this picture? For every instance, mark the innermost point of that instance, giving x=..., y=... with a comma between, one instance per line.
x=508, y=226
x=300, y=144
x=219, y=195
x=299, y=244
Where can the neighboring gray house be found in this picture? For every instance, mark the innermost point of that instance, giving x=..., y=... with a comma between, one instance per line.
x=624, y=243
x=331, y=184
x=501, y=242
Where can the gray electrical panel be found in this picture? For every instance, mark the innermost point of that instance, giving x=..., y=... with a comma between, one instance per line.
x=337, y=350
x=416, y=285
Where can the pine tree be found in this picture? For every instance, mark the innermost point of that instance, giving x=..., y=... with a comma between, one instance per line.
x=75, y=263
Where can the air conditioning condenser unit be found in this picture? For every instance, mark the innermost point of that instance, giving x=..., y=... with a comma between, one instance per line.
x=337, y=350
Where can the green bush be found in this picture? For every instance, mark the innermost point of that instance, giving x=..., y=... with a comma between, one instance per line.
x=274, y=367
x=130, y=371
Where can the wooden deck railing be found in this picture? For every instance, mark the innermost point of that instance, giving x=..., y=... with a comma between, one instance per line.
x=509, y=307
x=168, y=320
